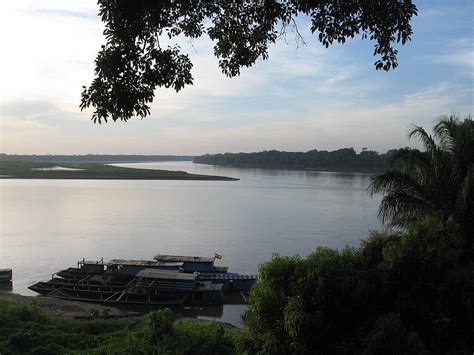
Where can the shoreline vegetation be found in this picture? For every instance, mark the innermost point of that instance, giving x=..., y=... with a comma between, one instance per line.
x=26, y=327
x=96, y=171
x=341, y=160
x=94, y=158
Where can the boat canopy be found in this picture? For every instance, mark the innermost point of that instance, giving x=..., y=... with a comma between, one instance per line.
x=182, y=258
x=160, y=274
x=149, y=263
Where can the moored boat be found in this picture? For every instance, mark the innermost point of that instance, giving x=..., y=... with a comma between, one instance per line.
x=166, y=280
x=6, y=275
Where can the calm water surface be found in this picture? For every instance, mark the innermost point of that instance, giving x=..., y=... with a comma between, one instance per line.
x=47, y=225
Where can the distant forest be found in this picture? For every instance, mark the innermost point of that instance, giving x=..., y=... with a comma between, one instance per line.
x=345, y=159
x=108, y=158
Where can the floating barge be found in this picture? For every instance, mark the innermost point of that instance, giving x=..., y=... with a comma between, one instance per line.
x=168, y=280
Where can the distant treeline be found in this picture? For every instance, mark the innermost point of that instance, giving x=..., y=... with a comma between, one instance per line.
x=345, y=159
x=94, y=158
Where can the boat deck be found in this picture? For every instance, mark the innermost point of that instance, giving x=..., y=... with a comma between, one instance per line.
x=168, y=279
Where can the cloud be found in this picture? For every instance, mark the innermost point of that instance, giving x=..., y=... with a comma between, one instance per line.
x=20, y=123
x=460, y=54
x=300, y=99
x=23, y=122
x=463, y=57
x=377, y=126
x=25, y=109
x=47, y=58
x=434, y=97
x=36, y=110
x=384, y=126
x=55, y=13
x=435, y=13
x=26, y=126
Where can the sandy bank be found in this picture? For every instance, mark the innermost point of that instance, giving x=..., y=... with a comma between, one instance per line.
x=71, y=309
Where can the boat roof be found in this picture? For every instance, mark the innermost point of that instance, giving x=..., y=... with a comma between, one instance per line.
x=151, y=263
x=93, y=262
x=184, y=258
x=163, y=274
x=5, y=270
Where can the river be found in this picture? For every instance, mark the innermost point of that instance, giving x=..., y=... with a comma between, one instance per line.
x=47, y=225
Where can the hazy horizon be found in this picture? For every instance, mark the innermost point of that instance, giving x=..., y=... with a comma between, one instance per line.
x=299, y=100
x=193, y=154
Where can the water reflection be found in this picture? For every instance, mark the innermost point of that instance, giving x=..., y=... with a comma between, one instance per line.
x=311, y=178
x=232, y=314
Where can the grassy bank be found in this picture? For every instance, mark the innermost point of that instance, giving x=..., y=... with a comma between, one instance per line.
x=28, y=329
x=51, y=170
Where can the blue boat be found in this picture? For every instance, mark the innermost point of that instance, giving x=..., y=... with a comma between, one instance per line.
x=166, y=280
x=192, y=263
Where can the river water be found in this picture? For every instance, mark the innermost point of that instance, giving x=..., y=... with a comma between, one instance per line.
x=47, y=225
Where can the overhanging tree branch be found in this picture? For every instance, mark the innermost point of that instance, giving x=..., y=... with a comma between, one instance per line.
x=131, y=65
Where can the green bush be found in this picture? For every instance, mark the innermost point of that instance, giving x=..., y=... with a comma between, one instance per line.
x=27, y=329
x=409, y=290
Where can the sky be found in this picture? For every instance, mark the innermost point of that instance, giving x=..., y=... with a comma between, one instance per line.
x=304, y=97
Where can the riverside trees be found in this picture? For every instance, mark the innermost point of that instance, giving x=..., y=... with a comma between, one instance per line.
x=345, y=159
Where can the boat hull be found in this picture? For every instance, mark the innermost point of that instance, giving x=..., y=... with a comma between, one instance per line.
x=167, y=281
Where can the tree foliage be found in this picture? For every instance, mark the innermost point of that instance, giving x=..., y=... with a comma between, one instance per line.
x=437, y=181
x=345, y=159
x=29, y=330
x=133, y=62
x=405, y=293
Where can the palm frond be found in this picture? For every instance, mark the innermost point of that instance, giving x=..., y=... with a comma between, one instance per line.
x=399, y=208
x=395, y=180
x=446, y=131
x=438, y=181
x=465, y=198
x=427, y=141
x=408, y=159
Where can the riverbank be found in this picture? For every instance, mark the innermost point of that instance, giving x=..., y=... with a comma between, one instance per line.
x=29, y=325
x=84, y=310
x=64, y=308
x=341, y=160
x=93, y=171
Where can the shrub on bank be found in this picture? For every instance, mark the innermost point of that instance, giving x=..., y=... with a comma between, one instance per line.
x=409, y=292
x=27, y=329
